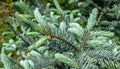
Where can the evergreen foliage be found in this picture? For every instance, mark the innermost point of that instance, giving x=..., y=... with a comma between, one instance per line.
x=53, y=38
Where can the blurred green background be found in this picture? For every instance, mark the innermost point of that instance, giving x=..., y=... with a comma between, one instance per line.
x=6, y=10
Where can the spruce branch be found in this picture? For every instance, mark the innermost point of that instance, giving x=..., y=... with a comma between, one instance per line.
x=103, y=57
x=16, y=33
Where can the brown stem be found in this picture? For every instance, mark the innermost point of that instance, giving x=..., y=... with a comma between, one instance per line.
x=60, y=38
x=100, y=17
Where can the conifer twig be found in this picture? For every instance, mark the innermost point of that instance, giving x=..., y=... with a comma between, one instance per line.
x=99, y=18
x=16, y=33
